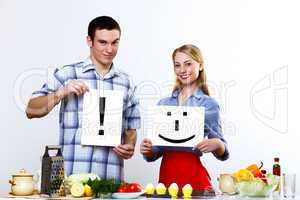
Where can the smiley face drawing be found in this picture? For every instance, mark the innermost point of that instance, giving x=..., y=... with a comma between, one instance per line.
x=176, y=128
x=176, y=125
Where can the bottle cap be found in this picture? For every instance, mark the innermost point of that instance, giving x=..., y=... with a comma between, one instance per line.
x=276, y=159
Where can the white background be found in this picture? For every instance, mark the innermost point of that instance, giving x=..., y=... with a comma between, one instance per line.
x=251, y=52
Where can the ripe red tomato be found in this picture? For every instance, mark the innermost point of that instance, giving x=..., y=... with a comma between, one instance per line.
x=134, y=187
x=130, y=187
x=122, y=189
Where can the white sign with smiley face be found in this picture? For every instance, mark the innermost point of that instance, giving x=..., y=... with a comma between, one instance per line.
x=175, y=125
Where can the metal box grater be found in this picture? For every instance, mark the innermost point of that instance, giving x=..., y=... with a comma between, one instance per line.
x=52, y=173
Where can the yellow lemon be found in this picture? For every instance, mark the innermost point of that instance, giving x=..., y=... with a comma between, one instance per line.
x=88, y=192
x=77, y=190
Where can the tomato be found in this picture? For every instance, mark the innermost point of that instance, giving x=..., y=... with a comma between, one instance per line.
x=134, y=187
x=122, y=189
x=130, y=187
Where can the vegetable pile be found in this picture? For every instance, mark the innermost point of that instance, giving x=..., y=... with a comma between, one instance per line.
x=254, y=182
x=89, y=184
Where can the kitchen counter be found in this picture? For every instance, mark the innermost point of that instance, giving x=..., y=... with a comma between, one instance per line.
x=218, y=197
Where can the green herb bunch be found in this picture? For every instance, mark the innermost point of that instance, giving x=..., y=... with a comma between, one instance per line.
x=103, y=186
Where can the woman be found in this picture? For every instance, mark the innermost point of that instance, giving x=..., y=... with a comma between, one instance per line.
x=183, y=165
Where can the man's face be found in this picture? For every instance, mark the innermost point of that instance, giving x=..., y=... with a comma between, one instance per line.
x=105, y=45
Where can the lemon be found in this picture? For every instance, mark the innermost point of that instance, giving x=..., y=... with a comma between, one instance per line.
x=243, y=175
x=88, y=192
x=77, y=190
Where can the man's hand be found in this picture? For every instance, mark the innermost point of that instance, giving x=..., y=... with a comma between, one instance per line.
x=73, y=87
x=124, y=151
x=41, y=106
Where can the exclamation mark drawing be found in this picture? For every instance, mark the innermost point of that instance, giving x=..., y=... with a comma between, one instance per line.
x=176, y=125
x=101, y=112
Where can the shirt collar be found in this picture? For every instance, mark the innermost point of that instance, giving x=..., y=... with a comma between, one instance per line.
x=198, y=93
x=88, y=65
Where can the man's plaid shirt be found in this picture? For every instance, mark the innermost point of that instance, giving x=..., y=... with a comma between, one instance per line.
x=100, y=160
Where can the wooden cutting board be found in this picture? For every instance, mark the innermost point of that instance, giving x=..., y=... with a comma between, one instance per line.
x=37, y=196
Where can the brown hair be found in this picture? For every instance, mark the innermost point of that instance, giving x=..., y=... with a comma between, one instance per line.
x=100, y=23
x=195, y=53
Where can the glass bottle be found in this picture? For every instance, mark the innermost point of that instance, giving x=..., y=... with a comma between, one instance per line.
x=276, y=172
x=276, y=167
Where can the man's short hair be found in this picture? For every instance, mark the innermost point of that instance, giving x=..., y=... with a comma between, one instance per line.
x=102, y=22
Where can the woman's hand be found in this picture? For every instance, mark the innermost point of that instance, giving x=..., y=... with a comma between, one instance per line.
x=213, y=145
x=146, y=148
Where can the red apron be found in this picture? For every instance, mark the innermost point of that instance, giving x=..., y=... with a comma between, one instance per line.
x=184, y=168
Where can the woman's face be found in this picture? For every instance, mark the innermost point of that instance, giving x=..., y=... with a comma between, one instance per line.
x=186, y=69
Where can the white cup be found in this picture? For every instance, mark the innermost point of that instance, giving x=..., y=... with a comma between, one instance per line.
x=288, y=185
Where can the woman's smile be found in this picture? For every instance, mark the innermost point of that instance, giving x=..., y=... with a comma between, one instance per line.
x=184, y=76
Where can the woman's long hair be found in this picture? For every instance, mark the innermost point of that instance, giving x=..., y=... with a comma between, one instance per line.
x=195, y=53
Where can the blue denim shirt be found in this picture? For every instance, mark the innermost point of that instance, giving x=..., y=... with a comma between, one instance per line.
x=212, y=124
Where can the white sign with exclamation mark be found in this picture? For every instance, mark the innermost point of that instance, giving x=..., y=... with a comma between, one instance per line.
x=102, y=118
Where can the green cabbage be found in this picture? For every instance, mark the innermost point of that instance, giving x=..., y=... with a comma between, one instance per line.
x=257, y=187
x=80, y=178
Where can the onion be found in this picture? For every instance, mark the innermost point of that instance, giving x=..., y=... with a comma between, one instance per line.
x=227, y=184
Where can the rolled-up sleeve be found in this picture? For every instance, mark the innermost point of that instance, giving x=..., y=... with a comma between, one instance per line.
x=53, y=81
x=158, y=151
x=213, y=127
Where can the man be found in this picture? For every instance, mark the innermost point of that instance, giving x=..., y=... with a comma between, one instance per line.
x=68, y=85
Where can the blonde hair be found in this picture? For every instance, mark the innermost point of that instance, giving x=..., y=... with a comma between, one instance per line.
x=195, y=53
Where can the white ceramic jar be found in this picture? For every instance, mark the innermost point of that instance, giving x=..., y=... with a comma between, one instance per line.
x=22, y=183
